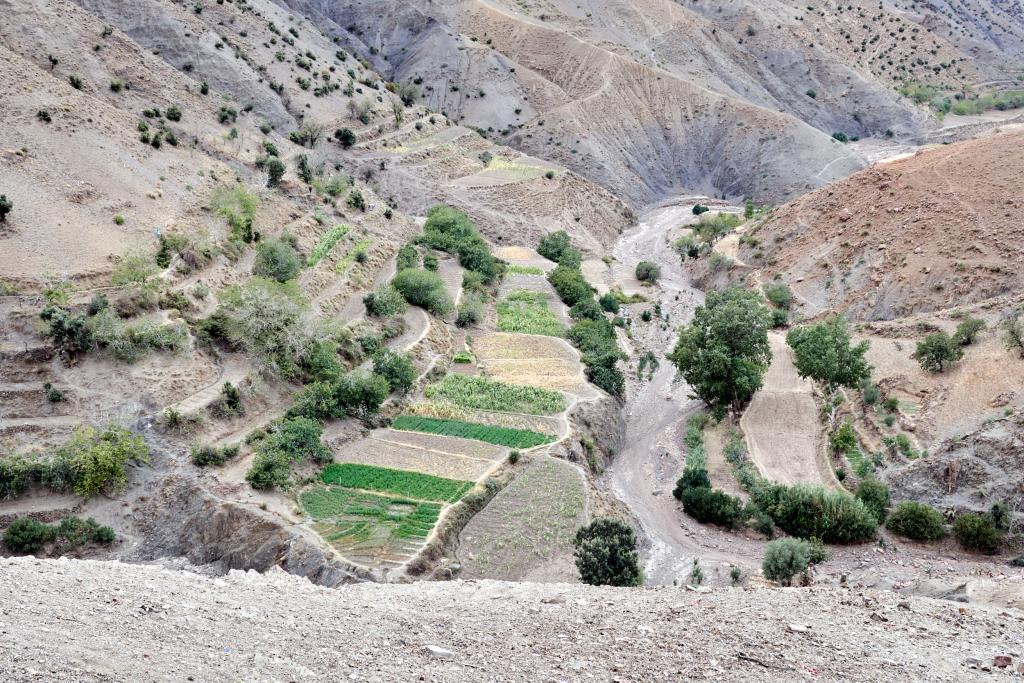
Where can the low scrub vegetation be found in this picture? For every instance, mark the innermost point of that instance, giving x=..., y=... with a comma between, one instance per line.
x=482, y=393
x=450, y=230
x=26, y=535
x=425, y=289
x=499, y=436
x=294, y=439
x=398, y=482
x=917, y=521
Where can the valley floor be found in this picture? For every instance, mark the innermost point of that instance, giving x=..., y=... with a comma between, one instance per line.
x=247, y=626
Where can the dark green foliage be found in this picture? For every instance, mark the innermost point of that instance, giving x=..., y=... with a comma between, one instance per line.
x=815, y=512
x=587, y=309
x=977, y=532
x=553, y=245
x=356, y=200
x=173, y=114
x=6, y=206
x=570, y=284
x=698, y=209
x=203, y=456
x=269, y=470
x=277, y=259
x=844, y=439
x=647, y=271
x=471, y=310
x=356, y=394
x=275, y=171
x=299, y=439
x=26, y=535
x=407, y=257
x=449, y=229
x=708, y=505
x=77, y=531
x=609, y=303
x=53, y=394
x=1001, y=515
x=304, y=170
x=967, y=330
x=396, y=369
x=875, y=496
x=823, y=352
x=600, y=351
x=785, y=558
x=68, y=331
x=693, y=477
x=424, y=289
x=606, y=554
x=917, y=521
x=232, y=398
x=430, y=261
x=937, y=351
x=226, y=114
x=724, y=353
x=779, y=294
x=385, y=302
x=44, y=116
x=345, y=137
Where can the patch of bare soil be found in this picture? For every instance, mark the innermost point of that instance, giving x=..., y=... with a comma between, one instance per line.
x=933, y=231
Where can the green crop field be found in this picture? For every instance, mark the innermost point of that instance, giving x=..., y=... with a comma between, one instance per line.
x=500, y=436
x=487, y=394
x=353, y=513
x=397, y=482
x=350, y=256
x=528, y=312
x=513, y=269
x=326, y=243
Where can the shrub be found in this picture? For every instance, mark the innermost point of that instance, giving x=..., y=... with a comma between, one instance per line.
x=977, y=532
x=693, y=477
x=815, y=512
x=698, y=209
x=967, y=330
x=345, y=137
x=844, y=439
x=203, y=456
x=277, y=259
x=647, y=271
x=451, y=230
x=385, y=302
x=97, y=460
x=396, y=369
x=77, y=531
x=570, y=284
x=586, y=309
x=917, y=521
x=269, y=470
x=275, y=171
x=609, y=303
x=937, y=351
x=779, y=294
x=356, y=200
x=69, y=332
x=553, y=245
x=26, y=535
x=784, y=559
x=606, y=555
x=471, y=310
x=6, y=206
x=708, y=505
x=361, y=393
x=407, y=257
x=513, y=456
x=875, y=496
x=424, y=289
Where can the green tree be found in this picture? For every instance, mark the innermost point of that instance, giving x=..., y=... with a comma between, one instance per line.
x=977, y=532
x=97, y=460
x=424, y=289
x=362, y=393
x=967, y=330
x=396, y=368
x=724, y=353
x=647, y=271
x=937, y=351
x=345, y=137
x=875, y=496
x=553, y=245
x=298, y=438
x=606, y=554
x=823, y=352
x=275, y=171
x=917, y=521
x=6, y=206
x=785, y=558
x=277, y=259
x=269, y=469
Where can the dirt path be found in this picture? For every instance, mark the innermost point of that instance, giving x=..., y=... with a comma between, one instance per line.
x=782, y=426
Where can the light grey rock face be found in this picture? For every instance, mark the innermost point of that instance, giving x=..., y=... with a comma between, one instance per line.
x=90, y=621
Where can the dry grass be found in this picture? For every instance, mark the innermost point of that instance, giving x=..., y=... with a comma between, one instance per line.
x=508, y=346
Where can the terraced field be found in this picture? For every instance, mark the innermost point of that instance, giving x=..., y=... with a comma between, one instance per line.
x=526, y=532
x=502, y=436
x=528, y=312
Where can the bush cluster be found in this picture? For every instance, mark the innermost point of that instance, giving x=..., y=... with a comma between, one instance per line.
x=204, y=456
x=358, y=394
x=917, y=521
x=424, y=289
x=294, y=439
x=385, y=302
x=26, y=535
x=450, y=230
x=810, y=511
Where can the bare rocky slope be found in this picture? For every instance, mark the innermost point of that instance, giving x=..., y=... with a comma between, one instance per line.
x=657, y=97
x=278, y=627
x=934, y=231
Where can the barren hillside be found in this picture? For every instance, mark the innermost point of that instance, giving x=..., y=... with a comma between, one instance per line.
x=937, y=230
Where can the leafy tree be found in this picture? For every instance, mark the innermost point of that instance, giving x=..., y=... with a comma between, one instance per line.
x=553, y=245
x=609, y=303
x=386, y=301
x=407, y=257
x=299, y=439
x=708, y=505
x=647, y=271
x=785, y=558
x=356, y=200
x=396, y=368
x=1015, y=333
x=69, y=332
x=277, y=259
x=570, y=284
x=275, y=171
x=917, y=521
x=724, y=353
x=823, y=352
x=937, y=351
x=6, y=205
x=362, y=393
x=606, y=554
x=967, y=330
x=269, y=469
x=424, y=289
x=977, y=532
x=471, y=310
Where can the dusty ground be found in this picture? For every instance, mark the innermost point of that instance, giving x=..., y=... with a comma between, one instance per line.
x=274, y=626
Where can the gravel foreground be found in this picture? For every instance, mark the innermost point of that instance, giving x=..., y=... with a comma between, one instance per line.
x=78, y=620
